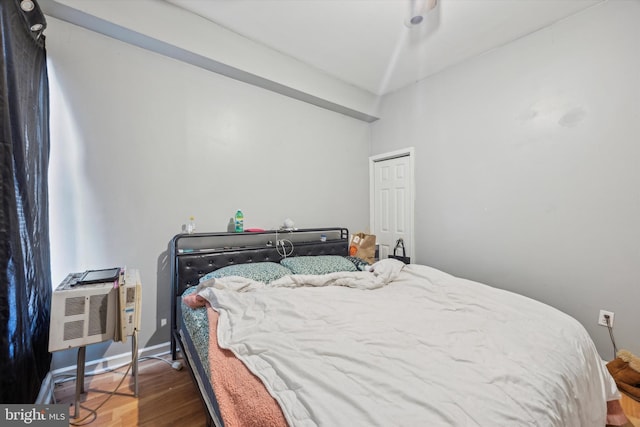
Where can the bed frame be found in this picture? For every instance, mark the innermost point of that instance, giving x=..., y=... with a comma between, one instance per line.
x=194, y=255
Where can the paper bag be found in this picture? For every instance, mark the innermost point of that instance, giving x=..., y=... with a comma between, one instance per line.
x=363, y=246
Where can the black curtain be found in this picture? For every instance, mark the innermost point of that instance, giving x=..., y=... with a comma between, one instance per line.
x=25, y=272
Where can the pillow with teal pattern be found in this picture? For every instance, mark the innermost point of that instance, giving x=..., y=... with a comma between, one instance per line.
x=320, y=264
x=360, y=264
x=259, y=271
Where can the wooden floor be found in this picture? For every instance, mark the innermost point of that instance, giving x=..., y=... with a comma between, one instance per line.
x=631, y=409
x=166, y=398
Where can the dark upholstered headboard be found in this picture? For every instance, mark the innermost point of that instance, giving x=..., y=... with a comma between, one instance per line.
x=194, y=255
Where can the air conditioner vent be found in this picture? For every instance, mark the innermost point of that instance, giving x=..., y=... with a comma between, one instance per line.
x=73, y=330
x=98, y=308
x=131, y=295
x=73, y=306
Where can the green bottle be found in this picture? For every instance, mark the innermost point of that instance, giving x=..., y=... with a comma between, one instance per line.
x=239, y=221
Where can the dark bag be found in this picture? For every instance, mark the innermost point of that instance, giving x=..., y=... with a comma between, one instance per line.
x=404, y=258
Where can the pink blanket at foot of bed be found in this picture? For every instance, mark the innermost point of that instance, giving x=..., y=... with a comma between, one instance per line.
x=242, y=398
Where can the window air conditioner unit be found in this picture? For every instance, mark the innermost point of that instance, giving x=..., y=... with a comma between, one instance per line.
x=94, y=306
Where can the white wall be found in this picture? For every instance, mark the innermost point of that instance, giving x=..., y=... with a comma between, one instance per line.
x=140, y=142
x=159, y=22
x=527, y=167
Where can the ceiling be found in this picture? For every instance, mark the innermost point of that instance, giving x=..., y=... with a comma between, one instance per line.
x=367, y=42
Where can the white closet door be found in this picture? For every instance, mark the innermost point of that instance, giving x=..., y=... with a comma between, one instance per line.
x=392, y=203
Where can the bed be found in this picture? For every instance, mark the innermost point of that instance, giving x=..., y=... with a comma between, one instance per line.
x=317, y=338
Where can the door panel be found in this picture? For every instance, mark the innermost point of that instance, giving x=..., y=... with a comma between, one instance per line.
x=392, y=204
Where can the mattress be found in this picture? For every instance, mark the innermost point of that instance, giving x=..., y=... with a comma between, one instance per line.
x=195, y=326
x=194, y=333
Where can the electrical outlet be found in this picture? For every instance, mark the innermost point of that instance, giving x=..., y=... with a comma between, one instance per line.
x=163, y=322
x=602, y=321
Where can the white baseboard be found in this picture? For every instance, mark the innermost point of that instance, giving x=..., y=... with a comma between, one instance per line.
x=98, y=366
x=46, y=390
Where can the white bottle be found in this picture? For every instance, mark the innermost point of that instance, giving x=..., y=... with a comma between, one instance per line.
x=191, y=225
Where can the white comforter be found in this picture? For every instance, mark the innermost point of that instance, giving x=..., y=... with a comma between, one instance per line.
x=411, y=346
